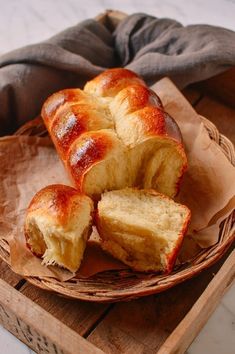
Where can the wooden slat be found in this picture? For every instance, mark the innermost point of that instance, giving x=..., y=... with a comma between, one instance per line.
x=36, y=327
x=221, y=115
x=143, y=325
x=80, y=316
x=201, y=311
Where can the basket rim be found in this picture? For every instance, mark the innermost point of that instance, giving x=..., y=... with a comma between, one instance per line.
x=144, y=284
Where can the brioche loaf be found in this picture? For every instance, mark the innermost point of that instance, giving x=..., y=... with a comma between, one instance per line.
x=115, y=134
x=142, y=228
x=57, y=225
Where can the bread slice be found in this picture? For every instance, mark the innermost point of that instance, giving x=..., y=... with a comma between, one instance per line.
x=58, y=224
x=142, y=228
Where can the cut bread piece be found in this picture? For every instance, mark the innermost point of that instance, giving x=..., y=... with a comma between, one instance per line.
x=58, y=224
x=142, y=228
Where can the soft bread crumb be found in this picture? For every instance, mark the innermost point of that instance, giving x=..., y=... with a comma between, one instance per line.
x=157, y=163
x=142, y=228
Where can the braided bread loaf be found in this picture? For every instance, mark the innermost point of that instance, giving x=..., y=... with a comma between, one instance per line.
x=115, y=134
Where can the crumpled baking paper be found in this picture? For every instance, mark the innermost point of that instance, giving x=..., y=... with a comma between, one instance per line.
x=28, y=164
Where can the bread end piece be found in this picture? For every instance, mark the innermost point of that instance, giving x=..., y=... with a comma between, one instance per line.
x=142, y=228
x=58, y=224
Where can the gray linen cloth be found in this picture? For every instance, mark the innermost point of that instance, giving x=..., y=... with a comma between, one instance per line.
x=150, y=46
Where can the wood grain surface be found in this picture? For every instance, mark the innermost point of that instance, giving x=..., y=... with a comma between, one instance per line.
x=200, y=312
x=80, y=316
x=37, y=328
x=146, y=323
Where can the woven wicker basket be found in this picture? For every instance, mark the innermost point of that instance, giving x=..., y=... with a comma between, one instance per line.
x=122, y=285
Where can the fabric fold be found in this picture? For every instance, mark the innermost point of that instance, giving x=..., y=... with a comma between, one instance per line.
x=150, y=46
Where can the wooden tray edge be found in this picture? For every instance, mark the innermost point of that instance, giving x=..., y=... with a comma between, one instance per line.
x=184, y=334
x=42, y=335
x=47, y=334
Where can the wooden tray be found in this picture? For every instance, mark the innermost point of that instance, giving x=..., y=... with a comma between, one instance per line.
x=163, y=323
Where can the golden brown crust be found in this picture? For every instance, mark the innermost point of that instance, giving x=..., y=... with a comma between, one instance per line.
x=67, y=126
x=61, y=98
x=72, y=121
x=58, y=199
x=153, y=121
x=58, y=224
x=136, y=97
x=111, y=81
x=91, y=148
x=145, y=104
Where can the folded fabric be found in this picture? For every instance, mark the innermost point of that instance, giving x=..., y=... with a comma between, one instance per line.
x=151, y=47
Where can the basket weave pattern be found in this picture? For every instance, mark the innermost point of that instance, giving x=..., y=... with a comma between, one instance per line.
x=122, y=285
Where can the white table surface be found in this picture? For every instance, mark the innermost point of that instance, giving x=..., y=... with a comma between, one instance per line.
x=24, y=22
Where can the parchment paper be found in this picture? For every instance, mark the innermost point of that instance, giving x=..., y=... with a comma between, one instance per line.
x=28, y=164
x=208, y=187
